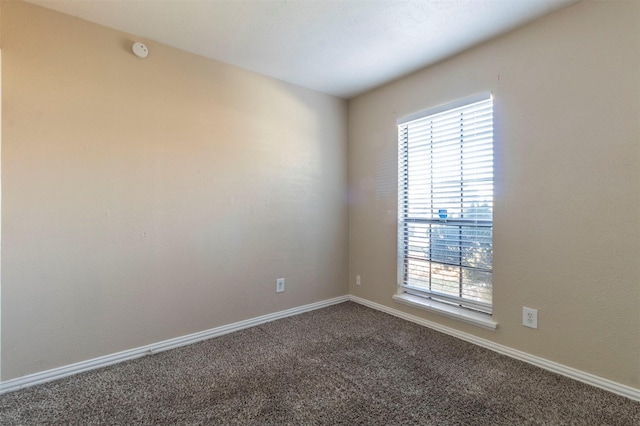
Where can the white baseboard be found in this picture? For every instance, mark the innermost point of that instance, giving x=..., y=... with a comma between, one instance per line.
x=92, y=364
x=611, y=386
x=103, y=361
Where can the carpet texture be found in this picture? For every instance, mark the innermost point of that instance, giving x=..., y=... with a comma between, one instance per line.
x=345, y=364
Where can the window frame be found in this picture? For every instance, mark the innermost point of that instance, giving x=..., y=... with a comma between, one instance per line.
x=466, y=308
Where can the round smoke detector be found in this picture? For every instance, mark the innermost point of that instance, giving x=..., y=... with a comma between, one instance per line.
x=140, y=50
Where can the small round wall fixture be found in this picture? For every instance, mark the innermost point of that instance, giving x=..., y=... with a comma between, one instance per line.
x=140, y=50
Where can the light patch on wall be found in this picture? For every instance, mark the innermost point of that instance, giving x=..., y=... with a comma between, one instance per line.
x=386, y=175
x=387, y=182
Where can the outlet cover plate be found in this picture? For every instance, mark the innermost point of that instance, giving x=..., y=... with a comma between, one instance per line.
x=279, y=285
x=530, y=317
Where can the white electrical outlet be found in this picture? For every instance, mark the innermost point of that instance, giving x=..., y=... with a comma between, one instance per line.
x=279, y=285
x=358, y=281
x=530, y=317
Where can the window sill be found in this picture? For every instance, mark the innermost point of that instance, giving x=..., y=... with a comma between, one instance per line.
x=465, y=315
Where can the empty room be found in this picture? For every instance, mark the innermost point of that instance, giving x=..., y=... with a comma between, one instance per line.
x=320, y=212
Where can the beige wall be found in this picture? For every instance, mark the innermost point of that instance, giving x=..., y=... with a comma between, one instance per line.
x=148, y=199
x=567, y=202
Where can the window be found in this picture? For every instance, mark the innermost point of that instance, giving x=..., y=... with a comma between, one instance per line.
x=445, y=205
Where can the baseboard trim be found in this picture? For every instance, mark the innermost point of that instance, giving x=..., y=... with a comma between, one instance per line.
x=608, y=385
x=104, y=361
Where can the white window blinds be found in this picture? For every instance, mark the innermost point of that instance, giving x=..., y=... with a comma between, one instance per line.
x=445, y=206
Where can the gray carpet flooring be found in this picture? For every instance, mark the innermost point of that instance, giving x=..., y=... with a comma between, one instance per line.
x=345, y=364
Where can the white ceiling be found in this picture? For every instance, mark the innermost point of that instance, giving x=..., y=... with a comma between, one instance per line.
x=340, y=47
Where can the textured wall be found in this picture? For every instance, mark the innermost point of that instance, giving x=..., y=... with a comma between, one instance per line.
x=567, y=202
x=148, y=199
